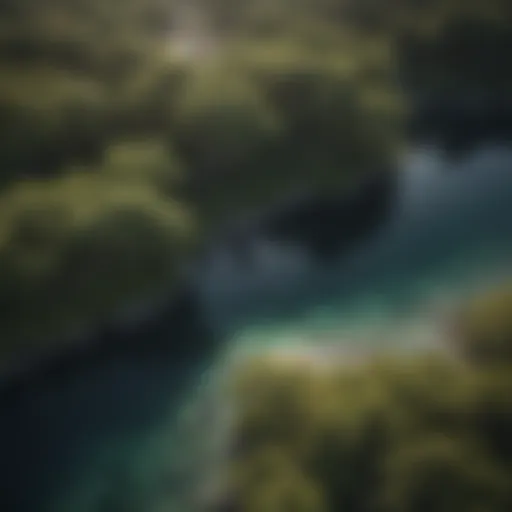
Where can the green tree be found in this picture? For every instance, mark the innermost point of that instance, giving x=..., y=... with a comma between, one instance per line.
x=483, y=328
x=264, y=120
x=73, y=251
x=439, y=473
x=395, y=434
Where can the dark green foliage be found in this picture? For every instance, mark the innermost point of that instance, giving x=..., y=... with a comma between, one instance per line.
x=408, y=435
x=221, y=122
x=64, y=67
x=321, y=101
x=264, y=120
x=73, y=251
x=78, y=77
x=49, y=120
x=144, y=163
x=467, y=52
x=92, y=87
x=273, y=482
x=440, y=43
x=443, y=474
x=484, y=329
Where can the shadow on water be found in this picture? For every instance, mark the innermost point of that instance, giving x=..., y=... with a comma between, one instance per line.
x=59, y=417
x=459, y=121
x=448, y=217
x=67, y=417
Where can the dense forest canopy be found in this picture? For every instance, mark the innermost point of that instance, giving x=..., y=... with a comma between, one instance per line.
x=293, y=96
x=118, y=154
x=78, y=74
x=87, y=86
x=302, y=95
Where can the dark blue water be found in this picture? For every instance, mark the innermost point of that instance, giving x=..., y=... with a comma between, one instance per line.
x=450, y=234
x=451, y=230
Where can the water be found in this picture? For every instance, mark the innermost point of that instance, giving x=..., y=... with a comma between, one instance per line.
x=449, y=235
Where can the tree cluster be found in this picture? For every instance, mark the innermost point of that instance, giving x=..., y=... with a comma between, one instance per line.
x=93, y=103
x=420, y=434
x=295, y=97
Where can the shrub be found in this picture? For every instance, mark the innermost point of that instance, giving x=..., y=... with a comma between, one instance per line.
x=74, y=250
x=276, y=484
x=410, y=435
x=268, y=119
x=483, y=328
x=221, y=122
x=49, y=121
x=324, y=102
x=439, y=473
x=143, y=162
